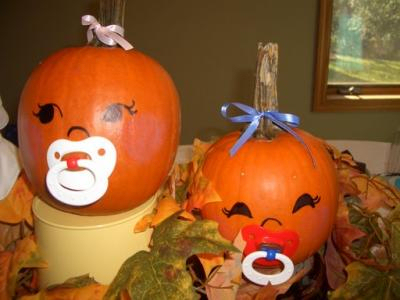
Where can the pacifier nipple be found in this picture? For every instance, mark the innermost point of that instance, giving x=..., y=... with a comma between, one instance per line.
x=264, y=279
x=72, y=163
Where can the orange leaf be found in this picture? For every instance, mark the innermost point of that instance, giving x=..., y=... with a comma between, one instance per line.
x=93, y=291
x=16, y=207
x=144, y=223
x=5, y=263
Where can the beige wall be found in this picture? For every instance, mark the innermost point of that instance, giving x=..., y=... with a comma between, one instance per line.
x=209, y=48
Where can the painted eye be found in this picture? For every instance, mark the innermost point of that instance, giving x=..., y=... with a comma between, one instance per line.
x=46, y=112
x=305, y=200
x=239, y=208
x=114, y=111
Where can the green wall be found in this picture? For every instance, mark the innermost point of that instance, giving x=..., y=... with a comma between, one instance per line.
x=209, y=48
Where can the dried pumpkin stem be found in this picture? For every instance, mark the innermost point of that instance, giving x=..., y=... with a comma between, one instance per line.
x=111, y=12
x=265, y=95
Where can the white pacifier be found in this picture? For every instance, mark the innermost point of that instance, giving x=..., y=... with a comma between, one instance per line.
x=265, y=279
x=87, y=180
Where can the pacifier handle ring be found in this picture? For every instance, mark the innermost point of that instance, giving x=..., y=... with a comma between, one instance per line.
x=264, y=279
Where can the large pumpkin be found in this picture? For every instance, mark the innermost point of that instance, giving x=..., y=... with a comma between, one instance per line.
x=279, y=189
x=98, y=129
x=272, y=193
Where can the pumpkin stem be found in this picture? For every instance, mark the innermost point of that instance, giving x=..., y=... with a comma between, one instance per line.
x=265, y=94
x=111, y=12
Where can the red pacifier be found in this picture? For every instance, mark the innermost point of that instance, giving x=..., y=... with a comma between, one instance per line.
x=268, y=248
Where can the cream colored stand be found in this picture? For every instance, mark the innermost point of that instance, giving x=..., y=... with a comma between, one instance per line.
x=75, y=245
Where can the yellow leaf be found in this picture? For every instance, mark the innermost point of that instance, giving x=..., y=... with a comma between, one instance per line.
x=210, y=261
x=376, y=192
x=167, y=207
x=199, y=150
x=201, y=192
x=16, y=207
x=26, y=255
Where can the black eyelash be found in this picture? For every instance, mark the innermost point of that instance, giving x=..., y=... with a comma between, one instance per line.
x=131, y=108
x=239, y=208
x=305, y=200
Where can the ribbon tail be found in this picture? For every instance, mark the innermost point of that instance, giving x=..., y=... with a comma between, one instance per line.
x=121, y=41
x=287, y=128
x=248, y=133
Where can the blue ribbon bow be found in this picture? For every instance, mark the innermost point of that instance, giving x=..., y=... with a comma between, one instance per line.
x=253, y=116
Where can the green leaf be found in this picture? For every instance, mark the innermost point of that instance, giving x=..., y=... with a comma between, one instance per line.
x=161, y=273
x=358, y=219
x=366, y=282
x=145, y=276
x=395, y=242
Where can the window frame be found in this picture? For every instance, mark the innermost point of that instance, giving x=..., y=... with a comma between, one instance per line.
x=326, y=97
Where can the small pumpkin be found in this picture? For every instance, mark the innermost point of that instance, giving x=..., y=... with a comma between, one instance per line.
x=98, y=129
x=277, y=192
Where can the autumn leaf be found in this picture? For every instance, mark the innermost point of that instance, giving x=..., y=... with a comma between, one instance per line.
x=394, y=220
x=144, y=223
x=201, y=192
x=161, y=273
x=166, y=207
x=5, y=263
x=16, y=207
x=395, y=243
x=345, y=232
x=335, y=267
x=366, y=282
x=9, y=234
x=77, y=288
x=250, y=291
x=375, y=193
x=26, y=255
x=225, y=281
x=199, y=150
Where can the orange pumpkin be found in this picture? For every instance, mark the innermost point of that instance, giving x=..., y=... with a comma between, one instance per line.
x=279, y=190
x=98, y=129
x=272, y=191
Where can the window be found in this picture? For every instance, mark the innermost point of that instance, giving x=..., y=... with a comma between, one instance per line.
x=358, y=56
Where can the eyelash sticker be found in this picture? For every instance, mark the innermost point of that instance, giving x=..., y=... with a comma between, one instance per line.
x=239, y=208
x=305, y=200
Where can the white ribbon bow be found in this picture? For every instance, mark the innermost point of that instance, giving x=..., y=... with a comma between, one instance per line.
x=109, y=35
